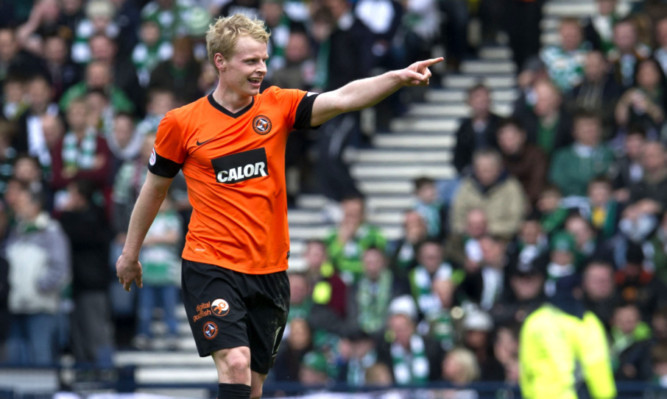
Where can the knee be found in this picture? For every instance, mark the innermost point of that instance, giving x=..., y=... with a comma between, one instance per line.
x=256, y=392
x=233, y=365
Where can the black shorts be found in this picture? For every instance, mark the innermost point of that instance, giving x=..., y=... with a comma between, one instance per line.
x=228, y=309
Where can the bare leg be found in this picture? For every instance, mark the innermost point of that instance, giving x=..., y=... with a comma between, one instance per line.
x=257, y=382
x=233, y=365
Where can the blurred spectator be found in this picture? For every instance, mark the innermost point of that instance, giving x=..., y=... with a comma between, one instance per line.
x=273, y=14
x=598, y=91
x=658, y=247
x=643, y=104
x=161, y=273
x=39, y=267
x=431, y=268
x=565, y=61
x=314, y=370
x=329, y=292
x=383, y=18
x=574, y=166
x=71, y=13
x=526, y=294
x=15, y=62
x=30, y=135
x=123, y=140
x=103, y=48
x=647, y=197
x=87, y=229
x=357, y=355
x=430, y=207
x=599, y=27
x=626, y=52
x=599, y=291
x=301, y=300
x=14, y=103
x=169, y=15
x=588, y=245
x=660, y=50
x=98, y=21
x=603, y=211
x=522, y=24
x=476, y=132
x=150, y=51
x=547, y=123
x=421, y=28
x=561, y=264
x=98, y=77
x=249, y=8
x=638, y=286
x=43, y=21
x=178, y=73
x=493, y=190
x=630, y=345
x=62, y=72
x=523, y=160
x=530, y=246
x=82, y=153
x=403, y=252
x=454, y=32
x=460, y=368
x=477, y=331
x=292, y=351
x=160, y=101
x=369, y=299
x=28, y=170
x=4, y=281
x=7, y=154
x=464, y=249
x=299, y=69
x=486, y=283
x=354, y=235
x=659, y=364
x=379, y=375
x=628, y=167
x=414, y=359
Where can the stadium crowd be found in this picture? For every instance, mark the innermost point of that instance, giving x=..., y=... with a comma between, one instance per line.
x=572, y=186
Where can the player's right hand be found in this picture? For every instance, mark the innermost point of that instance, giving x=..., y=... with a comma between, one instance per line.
x=128, y=271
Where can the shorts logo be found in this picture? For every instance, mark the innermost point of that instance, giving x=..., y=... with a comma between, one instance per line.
x=153, y=158
x=220, y=307
x=210, y=330
x=261, y=125
x=241, y=166
x=203, y=310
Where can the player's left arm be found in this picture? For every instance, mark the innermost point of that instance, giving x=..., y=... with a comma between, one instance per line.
x=367, y=92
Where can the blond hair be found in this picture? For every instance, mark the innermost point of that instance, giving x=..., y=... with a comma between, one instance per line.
x=223, y=35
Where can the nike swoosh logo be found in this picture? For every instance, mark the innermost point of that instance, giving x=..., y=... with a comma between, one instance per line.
x=205, y=141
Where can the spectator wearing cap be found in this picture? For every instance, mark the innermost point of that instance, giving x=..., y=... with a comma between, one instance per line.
x=38, y=253
x=630, y=344
x=558, y=341
x=357, y=354
x=413, y=359
x=574, y=166
x=561, y=265
x=599, y=290
x=314, y=370
x=477, y=330
x=490, y=188
x=525, y=294
x=476, y=132
x=523, y=160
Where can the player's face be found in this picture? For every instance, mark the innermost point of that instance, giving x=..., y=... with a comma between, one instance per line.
x=244, y=71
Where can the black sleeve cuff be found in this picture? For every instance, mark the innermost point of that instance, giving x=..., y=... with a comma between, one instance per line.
x=162, y=166
x=304, y=111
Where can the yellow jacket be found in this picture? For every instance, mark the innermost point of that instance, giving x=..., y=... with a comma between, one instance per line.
x=554, y=346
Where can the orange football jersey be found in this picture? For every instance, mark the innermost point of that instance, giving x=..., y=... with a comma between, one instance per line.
x=234, y=166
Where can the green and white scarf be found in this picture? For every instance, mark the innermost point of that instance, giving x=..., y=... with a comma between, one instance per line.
x=80, y=155
x=373, y=299
x=421, y=283
x=413, y=367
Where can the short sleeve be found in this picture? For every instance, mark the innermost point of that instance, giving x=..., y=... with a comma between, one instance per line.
x=168, y=153
x=297, y=105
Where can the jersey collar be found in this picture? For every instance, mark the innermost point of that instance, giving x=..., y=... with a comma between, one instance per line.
x=226, y=111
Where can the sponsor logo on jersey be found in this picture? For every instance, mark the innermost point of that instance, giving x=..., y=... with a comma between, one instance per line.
x=241, y=166
x=261, y=125
x=153, y=158
x=210, y=330
x=220, y=307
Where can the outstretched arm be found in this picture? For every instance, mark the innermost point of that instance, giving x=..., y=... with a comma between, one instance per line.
x=153, y=192
x=367, y=92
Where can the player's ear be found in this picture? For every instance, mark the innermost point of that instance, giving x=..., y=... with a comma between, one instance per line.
x=220, y=62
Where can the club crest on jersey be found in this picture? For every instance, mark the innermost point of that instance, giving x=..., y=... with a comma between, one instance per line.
x=261, y=124
x=220, y=307
x=210, y=330
x=241, y=166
